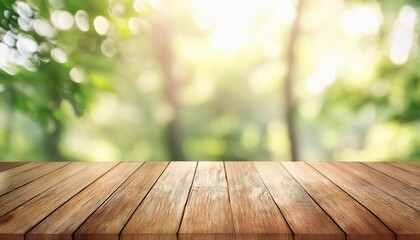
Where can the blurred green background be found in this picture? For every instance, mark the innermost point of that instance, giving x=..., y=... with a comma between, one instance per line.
x=209, y=80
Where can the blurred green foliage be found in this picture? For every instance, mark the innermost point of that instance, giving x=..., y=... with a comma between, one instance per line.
x=91, y=80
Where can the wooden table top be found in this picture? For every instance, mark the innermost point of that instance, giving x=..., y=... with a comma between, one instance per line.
x=210, y=200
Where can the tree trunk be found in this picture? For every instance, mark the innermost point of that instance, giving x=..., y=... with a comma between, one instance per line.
x=53, y=138
x=52, y=142
x=290, y=104
x=162, y=39
x=10, y=119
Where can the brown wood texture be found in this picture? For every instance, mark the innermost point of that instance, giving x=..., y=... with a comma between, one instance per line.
x=397, y=189
x=16, y=223
x=255, y=215
x=159, y=215
x=9, y=165
x=407, y=167
x=397, y=173
x=13, y=182
x=306, y=219
x=415, y=164
x=108, y=221
x=210, y=201
x=356, y=221
x=402, y=219
x=5, y=175
x=66, y=219
x=210, y=189
x=14, y=199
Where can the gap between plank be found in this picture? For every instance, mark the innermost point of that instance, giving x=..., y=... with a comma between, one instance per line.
x=148, y=191
x=316, y=202
x=390, y=175
x=106, y=200
x=33, y=179
x=228, y=191
x=274, y=201
x=394, y=233
x=188, y=199
x=364, y=180
x=41, y=191
x=69, y=199
x=397, y=165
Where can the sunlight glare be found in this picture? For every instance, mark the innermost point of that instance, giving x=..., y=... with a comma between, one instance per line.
x=77, y=74
x=137, y=25
x=108, y=48
x=23, y=9
x=24, y=23
x=4, y=54
x=362, y=20
x=139, y=6
x=82, y=20
x=319, y=81
x=59, y=55
x=62, y=20
x=402, y=35
x=26, y=45
x=234, y=23
x=101, y=25
x=10, y=38
x=43, y=28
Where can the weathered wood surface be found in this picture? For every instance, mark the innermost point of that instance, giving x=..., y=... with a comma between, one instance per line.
x=8, y=165
x=209, y=189
x=355, y=220
x=210, y=200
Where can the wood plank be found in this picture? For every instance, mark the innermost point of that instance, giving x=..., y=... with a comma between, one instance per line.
x=9, y=165
x=397, y=189
x=19, y=170
x=16, y=223
x=255, y=214
x=160, y=214
x=396, y=173
x=28, y=176
x=402, y=219
x=208, y=214
x=407, y=167
x=415, y=164
x=355, y=220
x=14, y=199
x=61, y=224
x=108, y=221
x=306, y=219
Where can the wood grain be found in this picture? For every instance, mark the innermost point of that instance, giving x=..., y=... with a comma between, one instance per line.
x=355, y=220
x=399, y=190
x=397, y=173
x=16, y=223
x=9, y=165
x=407, y=167
x=14, y=199
x=108, y=221
x=306, y=219
x=65, y=220
x=415, y=164
x=208, y=214
x=16, y=181
x=18, y=170
x=255, y=215
x=159, y=215
x=211, y=200
x=402, y=219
